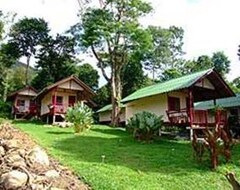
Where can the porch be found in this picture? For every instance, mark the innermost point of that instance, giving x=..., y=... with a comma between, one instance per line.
x=197, y=118
x=24, y=112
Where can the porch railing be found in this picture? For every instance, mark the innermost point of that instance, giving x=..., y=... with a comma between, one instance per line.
x=200, y=117
x=25, y=109
x=178, y=117
x=59, y=108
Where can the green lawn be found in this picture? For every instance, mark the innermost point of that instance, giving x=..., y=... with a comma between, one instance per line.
x=129, y=164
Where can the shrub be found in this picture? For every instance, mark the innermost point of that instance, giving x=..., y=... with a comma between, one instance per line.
x=145, y=125
x=80, y=116
x=5, y=109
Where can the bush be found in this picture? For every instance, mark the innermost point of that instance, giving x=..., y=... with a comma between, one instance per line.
x=80, y=116
x=145, y=125
x=5, y=109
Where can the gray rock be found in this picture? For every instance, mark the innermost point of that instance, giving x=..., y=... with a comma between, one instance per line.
x=14, y=160
x=2, y=151
x=38, y=156
x=14, y=179
x=52, y=174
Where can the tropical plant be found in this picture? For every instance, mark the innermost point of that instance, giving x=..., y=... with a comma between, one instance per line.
x=145, y=125
x=81, y=117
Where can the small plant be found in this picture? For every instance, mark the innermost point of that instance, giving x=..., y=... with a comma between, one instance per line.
x=217, y=142
x=144, y=125
x=80, y=116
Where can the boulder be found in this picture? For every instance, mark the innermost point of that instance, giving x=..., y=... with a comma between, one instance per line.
x=2, y=151
x=14, y=160
x=38, y=156
x=10, y=144
x=14, y=179
x=51, y=174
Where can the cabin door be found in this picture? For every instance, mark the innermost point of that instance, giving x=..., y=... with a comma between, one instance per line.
x=71, y=100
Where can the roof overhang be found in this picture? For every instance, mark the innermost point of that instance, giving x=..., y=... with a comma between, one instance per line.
x=47, y=89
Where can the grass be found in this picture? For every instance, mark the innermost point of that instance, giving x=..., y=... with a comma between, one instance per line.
x=129, y=164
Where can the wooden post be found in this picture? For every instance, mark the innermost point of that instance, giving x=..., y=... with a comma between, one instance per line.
x=54, y=104
x=191, y=112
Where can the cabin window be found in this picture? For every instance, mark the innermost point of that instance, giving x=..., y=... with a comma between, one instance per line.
x=173, y=104
x=59, y=100
x=20, y=102
x=71, y=100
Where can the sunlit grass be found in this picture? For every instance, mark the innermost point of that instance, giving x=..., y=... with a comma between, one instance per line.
x=108, y=158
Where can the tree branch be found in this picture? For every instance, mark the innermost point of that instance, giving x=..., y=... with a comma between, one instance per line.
x=100, y=64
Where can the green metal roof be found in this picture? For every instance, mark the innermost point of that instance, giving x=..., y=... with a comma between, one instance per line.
x=109, y=107
x=223, y=102
x=171, y=85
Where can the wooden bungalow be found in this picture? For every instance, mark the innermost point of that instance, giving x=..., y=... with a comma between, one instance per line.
x=23, y=103
x=174, y=99
x=105, y=114
x=55, y=99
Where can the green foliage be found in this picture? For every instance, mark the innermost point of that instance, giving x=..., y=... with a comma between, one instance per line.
x=235, y=85
x=16, y=78
x=166, y=52
x=5, y=109
x=132, y=75
x=171, y=74
x=145, y=125
x=27, y=35
x=112, y=33
x=88, y=75
x=219, y=61
x=103, y=96
x=55, y=60
x=80, y=116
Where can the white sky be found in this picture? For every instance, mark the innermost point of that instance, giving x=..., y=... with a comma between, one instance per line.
x=209, y=25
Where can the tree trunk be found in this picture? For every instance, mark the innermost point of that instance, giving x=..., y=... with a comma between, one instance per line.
x=26, y=72
x=116, y=94
x=232, y=180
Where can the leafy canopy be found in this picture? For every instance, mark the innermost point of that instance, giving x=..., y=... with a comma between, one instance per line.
x=27, y=34
x=88, y=75
x=55, y=60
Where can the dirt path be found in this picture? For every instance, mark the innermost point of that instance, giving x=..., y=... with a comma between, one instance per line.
x=19, y=153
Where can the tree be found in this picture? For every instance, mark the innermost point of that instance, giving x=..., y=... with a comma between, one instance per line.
x=221, y=62
x=8, y=54
x=88, y=75
x=55, y=61
x=112, y=33
x=171, y=74
x=16, y=78
x=27, y=34
x=167, y=52
x=203, y=62
x=132, y=75
x=103, y=96
x=8, y=57
x=235, y=85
